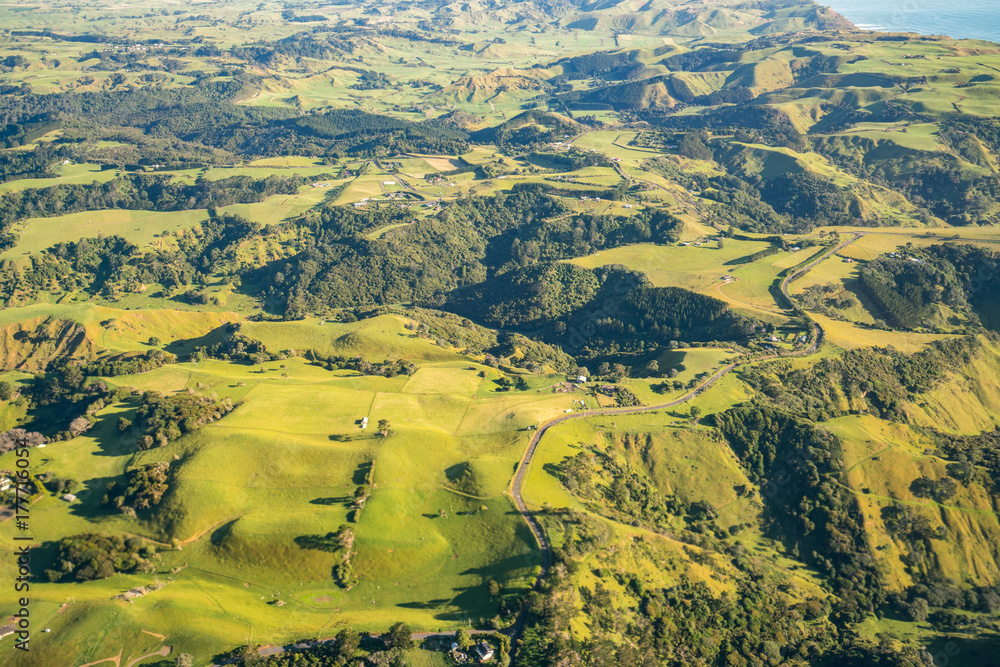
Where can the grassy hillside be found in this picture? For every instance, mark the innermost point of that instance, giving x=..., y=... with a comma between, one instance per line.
x=655, y=333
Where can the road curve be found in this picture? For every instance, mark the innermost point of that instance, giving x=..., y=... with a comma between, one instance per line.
x=517, y=482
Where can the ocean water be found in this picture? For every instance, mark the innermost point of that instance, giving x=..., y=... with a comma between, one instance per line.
x=979, y=19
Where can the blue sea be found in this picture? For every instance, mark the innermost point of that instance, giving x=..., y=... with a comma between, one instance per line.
x=979, y=19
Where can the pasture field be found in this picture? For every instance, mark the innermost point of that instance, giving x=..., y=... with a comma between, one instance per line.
x=70, y=174
x=142, y=228
x=420, y=463
x=437, y=527
x=849, y=336
x=751, y=286
x=249, y=491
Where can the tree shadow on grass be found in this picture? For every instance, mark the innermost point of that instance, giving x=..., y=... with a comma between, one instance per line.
x=89, y=498
x=333, y=500
x=185, y=346
x=553, y=469
x=326, y=542
x=43, y=557
x=362, y=472
x=468, y=602
x=476, y=601
x=345, y=437
x=780, y=300
x=222, y=533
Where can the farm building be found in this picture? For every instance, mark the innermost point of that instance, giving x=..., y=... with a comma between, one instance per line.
x=484, y=652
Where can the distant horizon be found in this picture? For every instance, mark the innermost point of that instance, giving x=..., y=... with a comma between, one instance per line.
x=966, y=19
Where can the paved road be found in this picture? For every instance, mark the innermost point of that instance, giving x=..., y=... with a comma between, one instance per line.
x=517, y=483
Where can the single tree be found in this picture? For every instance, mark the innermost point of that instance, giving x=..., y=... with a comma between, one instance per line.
x=348, y=642
x=383, y=427
x=399, y=636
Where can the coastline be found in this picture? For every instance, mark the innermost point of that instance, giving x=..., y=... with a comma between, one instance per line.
x=967, y=19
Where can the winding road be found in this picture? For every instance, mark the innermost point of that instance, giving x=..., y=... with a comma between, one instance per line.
x=517, y=483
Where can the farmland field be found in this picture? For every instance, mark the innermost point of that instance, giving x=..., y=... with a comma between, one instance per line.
x=625, y=334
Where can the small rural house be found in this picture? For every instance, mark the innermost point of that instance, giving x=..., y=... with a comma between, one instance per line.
x=484, y=652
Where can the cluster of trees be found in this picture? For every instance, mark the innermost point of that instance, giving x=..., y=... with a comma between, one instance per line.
x=58, y=485
x=528, y=129
x=689, y=623
x=111, y=266
x=613, y=485
x=142, y=488
x=766, y=124
x=625, y=398
x=389, y=368
x=130, y=364
x=203, y=120
x=798, y=468
x=103, y=265
x=810, y=196
x=947, y=605
x=19, y=437
x=143, y=193
x=604, y=312
x=742, y=206
x=62, y=403
x=234, y=345
x=340, y=267
x=162, y=419
x=940, y=183
x=101, y=114
x=605, y=65
x=348, y=648
x=968, y=451
x=905, y=289
x=504, y=350
x=827, y=299
x=90, y=556
x=528, y=297
x=704, y=58
x=333, y=133
x=34, y=163
x=878, y=381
